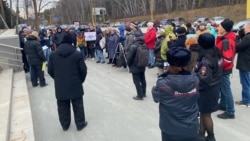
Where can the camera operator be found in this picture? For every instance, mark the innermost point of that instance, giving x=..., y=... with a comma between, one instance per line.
x=240, y=33
x=243, y=65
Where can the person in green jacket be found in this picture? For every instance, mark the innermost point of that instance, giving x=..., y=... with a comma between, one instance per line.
x=169, y=37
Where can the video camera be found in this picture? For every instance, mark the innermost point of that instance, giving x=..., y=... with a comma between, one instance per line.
x=241, y=32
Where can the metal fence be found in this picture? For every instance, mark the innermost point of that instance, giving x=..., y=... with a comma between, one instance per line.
x=10, y=53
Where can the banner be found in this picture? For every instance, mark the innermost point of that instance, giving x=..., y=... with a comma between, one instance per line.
x=90, y=36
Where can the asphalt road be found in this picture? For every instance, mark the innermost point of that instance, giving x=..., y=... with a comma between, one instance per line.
x=114, y=116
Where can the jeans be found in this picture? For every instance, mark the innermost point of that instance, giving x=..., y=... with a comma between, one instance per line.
x=64, y=112
x=83, y=51
x=46, y=53
x=245, y=83
x=226, y=99
x=151, y=59
x=140, y=83
x=92, y=53
x=99, y=55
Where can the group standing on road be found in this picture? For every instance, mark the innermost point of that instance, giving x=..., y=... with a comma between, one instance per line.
x=194, y=70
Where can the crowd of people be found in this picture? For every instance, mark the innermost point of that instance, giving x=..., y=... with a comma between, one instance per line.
x=194, y=68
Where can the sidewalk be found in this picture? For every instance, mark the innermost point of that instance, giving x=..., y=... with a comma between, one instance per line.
x=114, y=116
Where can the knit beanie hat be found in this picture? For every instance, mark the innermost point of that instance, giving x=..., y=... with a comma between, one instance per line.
x=181, y=30
x=227, y=24
x=206, y=40
x=178, y=56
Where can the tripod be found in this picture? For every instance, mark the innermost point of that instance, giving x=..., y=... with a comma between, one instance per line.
x=118, y=52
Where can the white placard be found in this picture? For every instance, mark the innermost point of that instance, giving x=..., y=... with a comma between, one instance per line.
x=90, y=36
x=77, y=25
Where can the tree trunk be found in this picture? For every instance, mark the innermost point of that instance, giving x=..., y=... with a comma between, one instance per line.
x=11, y=16
x=36, y=15
x=2, y=9
x=17, y=15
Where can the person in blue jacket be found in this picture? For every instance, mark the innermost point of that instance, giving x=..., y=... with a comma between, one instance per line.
x=121, y=29
x=45, y=43
x=122, y=38
x=212, y=30
x=176, y=91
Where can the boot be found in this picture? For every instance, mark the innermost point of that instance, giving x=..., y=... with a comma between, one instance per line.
x=210, y=138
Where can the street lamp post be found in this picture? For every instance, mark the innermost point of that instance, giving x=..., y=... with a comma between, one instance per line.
x=248, y=9
x=152, y=9
x=92, y=11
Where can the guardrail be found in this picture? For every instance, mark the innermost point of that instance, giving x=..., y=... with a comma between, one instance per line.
x=11, y=57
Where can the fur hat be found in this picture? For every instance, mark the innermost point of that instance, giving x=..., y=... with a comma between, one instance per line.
x=178, y=56
x=34, y=34
x=206, y=40
x=67, y=38
x=227, y=24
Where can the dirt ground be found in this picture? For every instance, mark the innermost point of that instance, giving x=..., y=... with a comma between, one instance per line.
x=235, y=12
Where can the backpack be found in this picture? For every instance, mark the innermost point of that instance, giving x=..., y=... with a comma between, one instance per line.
x=142, y=56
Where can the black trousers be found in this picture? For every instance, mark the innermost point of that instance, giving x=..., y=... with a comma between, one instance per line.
x=166, y=137
x=64, y=112
x=140, y=83
x=26, y=66
x=36, y=72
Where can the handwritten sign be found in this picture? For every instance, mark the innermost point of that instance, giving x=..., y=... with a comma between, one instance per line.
x=90, y=36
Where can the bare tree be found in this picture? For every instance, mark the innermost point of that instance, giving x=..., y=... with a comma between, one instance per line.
x=2, y=9
x=44, y=3
x=70, y=10
x=11, y=16
x=17, y=15
x=36, y=15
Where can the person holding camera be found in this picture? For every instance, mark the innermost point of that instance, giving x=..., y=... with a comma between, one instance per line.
x=243, y=50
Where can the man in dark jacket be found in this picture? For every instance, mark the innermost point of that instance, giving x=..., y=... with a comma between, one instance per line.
x=91, y=44
x=243, y=65
x=177, y=93
x=181, y=38
x=68, y=69
x=36, y=58
x=138, y=73
x=99, y=50
x=58, y=36
x=22, y=39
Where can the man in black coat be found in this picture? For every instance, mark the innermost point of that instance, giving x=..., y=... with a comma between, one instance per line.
x=68, y=69
x=138, y=73
x=22, y=35
x=180, y=42
x=58, y=37
x=243, y=65
x=35, y=55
